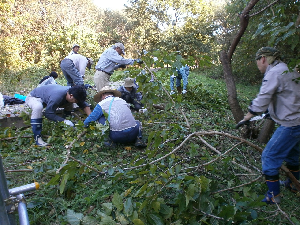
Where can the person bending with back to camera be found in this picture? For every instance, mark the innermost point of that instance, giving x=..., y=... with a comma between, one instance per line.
x=123, y=126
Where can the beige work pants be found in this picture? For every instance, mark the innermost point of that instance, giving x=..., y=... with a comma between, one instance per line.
x=101, y=79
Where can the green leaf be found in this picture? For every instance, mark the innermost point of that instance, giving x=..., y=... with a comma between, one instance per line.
x=74, y=218
x=166, y=211
x=254, y=214
x=128, y=207
x=108, y=207
x=117, y=201
x=54, y=180
x=121, y=218
x=138, y=222
x=155, y=219
x=111, y=171
x=141, y=190
x=178, y=169
x=295, y=220
x=107, y=220
x=89, y=220
x=191, y=190
x=246, y=191
x=205, y=182
x=227, y=212
x=156, y=206
x=145, y=202
x=63, y=183
x=153, y=169
x=181, y=202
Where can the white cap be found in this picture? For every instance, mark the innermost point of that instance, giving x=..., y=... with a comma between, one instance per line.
x=75, y=45
x=120, y=45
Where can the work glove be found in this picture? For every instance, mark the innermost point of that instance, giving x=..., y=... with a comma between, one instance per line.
x=242, y=123
x=245, y=121
x=267, y=116
x=122, y=66
x=69, y=123
x=139, y=61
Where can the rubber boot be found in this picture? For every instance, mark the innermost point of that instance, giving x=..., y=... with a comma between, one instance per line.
x=109, y=143
x=295, y=170
x=179, y=88
x=36, y=125
x=273, y=194
x=139, y=141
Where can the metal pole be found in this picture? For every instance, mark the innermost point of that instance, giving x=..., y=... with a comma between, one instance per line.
x=5, y=194
x=22, y=210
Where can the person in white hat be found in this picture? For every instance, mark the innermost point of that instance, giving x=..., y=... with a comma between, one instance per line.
x=129, y=93
x=123, y=126
x=109, y=61
x=75, y=49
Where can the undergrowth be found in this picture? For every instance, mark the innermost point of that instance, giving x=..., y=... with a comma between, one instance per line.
x=196, y=168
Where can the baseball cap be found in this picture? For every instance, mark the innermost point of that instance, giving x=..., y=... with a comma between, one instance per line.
x=267, y=52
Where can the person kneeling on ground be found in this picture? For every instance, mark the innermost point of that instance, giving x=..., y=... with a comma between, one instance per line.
x=123, y=126
x=54, y=96
x=129, y=93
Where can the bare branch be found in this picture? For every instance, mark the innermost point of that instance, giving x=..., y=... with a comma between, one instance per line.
x=84, y=164
x=69, y=149
x=268, y=6
x=187, y=123
x=208, y=214
x=227, y=189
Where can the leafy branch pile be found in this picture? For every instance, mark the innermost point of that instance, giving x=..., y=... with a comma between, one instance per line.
x=190, y=172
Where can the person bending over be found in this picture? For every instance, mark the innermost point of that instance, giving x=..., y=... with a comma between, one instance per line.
x=53, y=97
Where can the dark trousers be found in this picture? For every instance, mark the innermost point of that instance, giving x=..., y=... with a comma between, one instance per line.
x=130, y=100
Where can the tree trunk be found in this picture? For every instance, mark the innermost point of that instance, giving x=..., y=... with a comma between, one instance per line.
x=225, y=58
x=231, y=87
x=266, y=131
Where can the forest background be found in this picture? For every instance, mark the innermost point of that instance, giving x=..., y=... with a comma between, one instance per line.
x=36, y=35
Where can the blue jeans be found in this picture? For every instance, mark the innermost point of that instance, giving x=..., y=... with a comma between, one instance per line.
x=283, y=146
x=71, y=73
x=125, y=136
x=178, y=81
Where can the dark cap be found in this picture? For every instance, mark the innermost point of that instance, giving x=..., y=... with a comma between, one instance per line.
x=78, y=92
x=267, y=51
x=53, y=74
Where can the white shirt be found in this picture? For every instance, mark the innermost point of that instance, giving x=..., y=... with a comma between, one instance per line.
x=79, y=61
